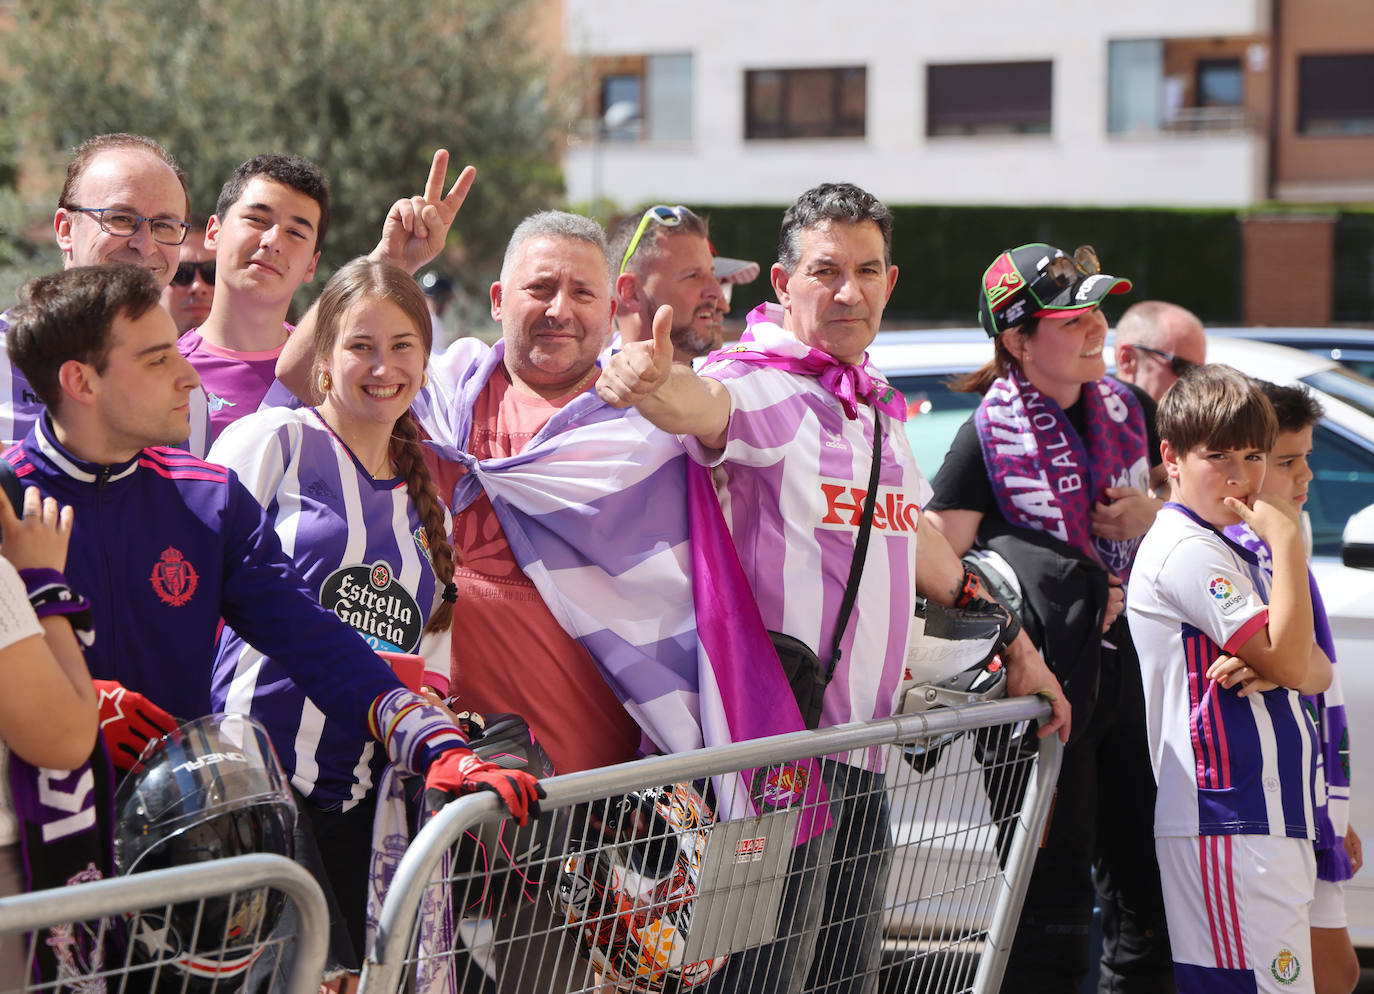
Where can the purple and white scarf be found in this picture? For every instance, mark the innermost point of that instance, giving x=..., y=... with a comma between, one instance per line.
x=674, y=630
x=67, y=837
x=1327, y=709
x=1046, y=477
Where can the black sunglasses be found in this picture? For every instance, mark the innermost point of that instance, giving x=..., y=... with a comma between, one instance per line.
x=1177, y=363
x=186, y=272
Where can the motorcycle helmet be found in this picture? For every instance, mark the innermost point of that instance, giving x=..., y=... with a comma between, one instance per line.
x=631, y=896
x=211, y=789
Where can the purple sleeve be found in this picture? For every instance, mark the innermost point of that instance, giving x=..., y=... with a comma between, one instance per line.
x=265, y=600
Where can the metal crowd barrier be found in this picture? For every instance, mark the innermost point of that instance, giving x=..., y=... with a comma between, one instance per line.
x=205, y=920
x=624, y=883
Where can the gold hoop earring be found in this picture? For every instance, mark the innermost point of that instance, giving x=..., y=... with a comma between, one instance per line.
x=326, y=381
x=424, y=379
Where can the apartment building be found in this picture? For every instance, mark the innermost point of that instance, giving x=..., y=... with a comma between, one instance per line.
x=1207, y=103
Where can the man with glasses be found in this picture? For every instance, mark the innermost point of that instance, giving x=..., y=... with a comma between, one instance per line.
x=187, y=298
x=1156, y=343
x=124, y=200
x=665, y=257
x=267, y=230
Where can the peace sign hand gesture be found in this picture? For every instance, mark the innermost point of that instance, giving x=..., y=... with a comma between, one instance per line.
x=416, y=227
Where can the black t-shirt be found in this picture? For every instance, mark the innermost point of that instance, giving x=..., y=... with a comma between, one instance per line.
x=963, y=483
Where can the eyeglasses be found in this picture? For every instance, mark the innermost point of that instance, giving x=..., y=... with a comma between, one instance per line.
x=669, y=217
x=186, y=272
x=1177, y=363
x=125, y=224
x=1062, y=272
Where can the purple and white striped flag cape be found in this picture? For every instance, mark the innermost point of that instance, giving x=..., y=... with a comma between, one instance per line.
x=597, y=514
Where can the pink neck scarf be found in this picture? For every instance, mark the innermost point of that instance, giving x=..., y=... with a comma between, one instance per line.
x=765, y=343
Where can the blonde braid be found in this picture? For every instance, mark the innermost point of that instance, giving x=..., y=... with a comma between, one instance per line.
x=409, y=456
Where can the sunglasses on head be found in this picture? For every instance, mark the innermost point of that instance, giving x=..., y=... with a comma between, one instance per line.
x=1064, y=271
x=669, y=217
x=1177, y=363
x=186, y=272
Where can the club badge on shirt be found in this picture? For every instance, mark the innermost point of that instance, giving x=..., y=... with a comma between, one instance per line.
x=370, y=601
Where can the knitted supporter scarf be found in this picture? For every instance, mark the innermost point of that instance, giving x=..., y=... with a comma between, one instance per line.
x=1327, y=710
x=1046, y=477
x=764, y=343
x=66, y=834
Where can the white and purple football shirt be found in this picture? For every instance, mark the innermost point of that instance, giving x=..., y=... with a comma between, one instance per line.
x=360, y=546
x=1225, y=764
x=792, y=480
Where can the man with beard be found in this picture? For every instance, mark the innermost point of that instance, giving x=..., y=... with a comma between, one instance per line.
x=664, y=257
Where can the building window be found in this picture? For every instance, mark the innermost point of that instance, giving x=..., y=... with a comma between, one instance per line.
x=988, y=98
x=805, y=103
x=1220, y=83
x=1336, y=95
x=1179, y=84
x=643, y=97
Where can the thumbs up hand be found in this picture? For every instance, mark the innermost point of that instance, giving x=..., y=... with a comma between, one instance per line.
x=640, y=367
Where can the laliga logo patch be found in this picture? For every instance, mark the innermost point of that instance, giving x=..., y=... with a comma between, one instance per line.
x=1224, y=592
x=1285, y=967
x=173, y=578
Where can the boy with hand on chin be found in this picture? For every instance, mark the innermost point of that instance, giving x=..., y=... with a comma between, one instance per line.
x=1235, y=764
x=1335, y=966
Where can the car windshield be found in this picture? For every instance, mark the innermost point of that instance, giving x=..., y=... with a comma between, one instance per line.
x=934, y=414
x=1345, y=385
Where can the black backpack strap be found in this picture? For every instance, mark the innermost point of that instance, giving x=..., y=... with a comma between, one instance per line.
x=856, y=568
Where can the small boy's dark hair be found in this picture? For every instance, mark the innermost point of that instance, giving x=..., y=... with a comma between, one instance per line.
x=295, y=171
x=1217, y=407
x=1294, y=406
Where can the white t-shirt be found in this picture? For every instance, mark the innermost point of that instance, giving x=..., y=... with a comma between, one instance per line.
x=17, y=622
x=1225, y=765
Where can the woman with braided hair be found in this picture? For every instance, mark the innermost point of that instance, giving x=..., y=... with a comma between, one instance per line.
x=354, y=506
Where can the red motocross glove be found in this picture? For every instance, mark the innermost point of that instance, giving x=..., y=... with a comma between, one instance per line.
x=460, y=771
x=129, y=721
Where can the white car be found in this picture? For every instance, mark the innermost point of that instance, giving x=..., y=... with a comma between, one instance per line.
x=919, y=363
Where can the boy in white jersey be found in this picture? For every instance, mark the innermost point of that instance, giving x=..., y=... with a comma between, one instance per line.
x=1235, y=763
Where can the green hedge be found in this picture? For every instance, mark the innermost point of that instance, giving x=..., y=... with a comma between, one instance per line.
x=1189, y=257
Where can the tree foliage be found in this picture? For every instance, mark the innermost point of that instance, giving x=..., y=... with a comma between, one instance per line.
x=366, y=89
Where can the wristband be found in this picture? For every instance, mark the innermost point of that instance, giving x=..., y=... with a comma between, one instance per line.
x=49, y=595
x=413, y=731
x=973, y=586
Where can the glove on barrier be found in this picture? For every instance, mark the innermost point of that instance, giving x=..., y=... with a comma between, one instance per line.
x=461, y=771
x=129, y=721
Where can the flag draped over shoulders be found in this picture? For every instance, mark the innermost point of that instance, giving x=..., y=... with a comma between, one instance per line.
x=597, y=513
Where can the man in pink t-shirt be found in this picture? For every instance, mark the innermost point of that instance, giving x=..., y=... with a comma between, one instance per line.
x=266, y=233
x=555, y=306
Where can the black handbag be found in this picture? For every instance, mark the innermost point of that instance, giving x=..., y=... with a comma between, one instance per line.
x=800, y=664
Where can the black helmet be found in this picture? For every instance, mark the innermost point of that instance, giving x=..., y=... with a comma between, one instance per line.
x=211, y=789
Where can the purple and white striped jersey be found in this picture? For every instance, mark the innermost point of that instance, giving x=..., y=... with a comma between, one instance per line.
x=1225, y=764
x=792, y=480
x=360, y=546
